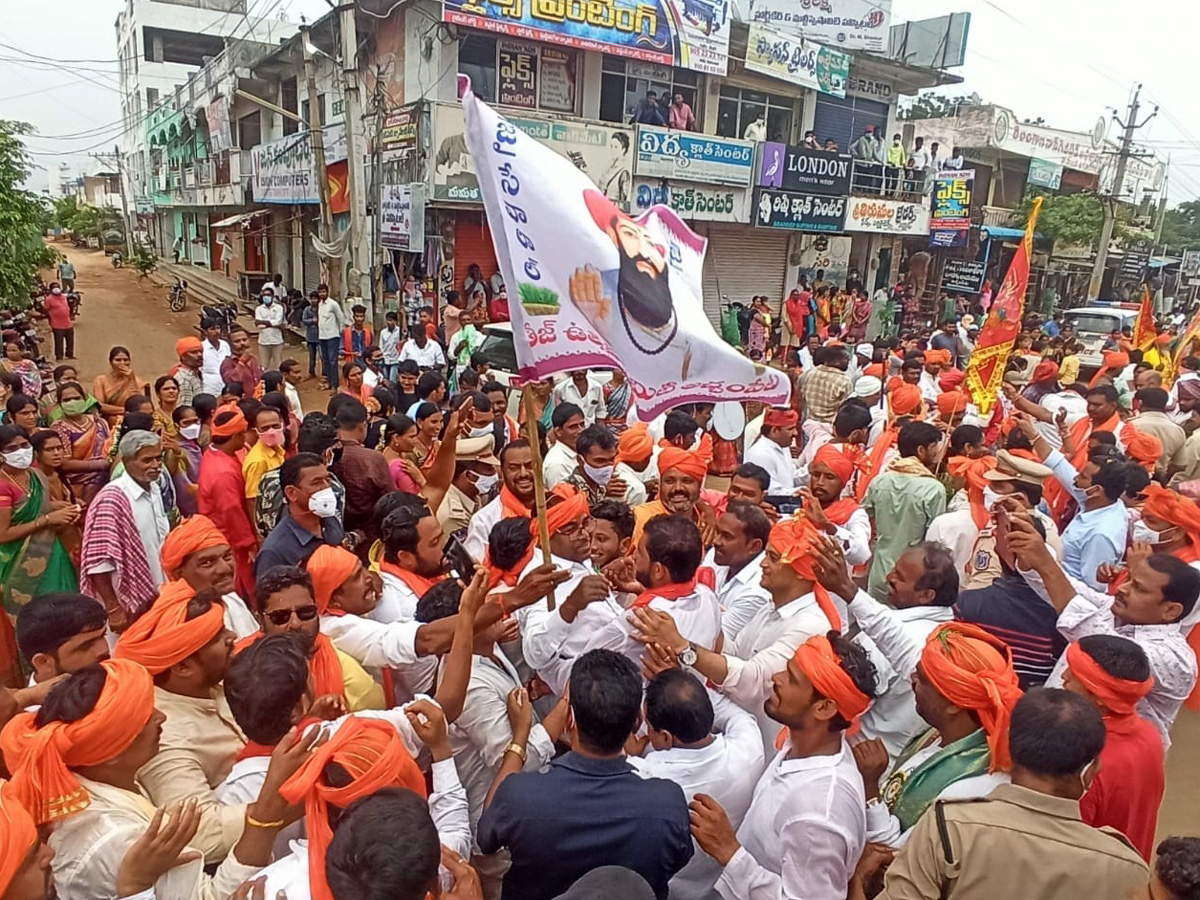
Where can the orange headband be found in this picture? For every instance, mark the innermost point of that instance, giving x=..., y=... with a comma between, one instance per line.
x=780, y=418
x=1118, y=694
x=794, y=539
x=18, y=835
x=973, y=670
x=371, y=753
x=688, y=462
x=41, y=759
x=330, y=568
x=163, y=635
x=235, y=425
x=191, y=536
x=573, y=505
x=823, y=667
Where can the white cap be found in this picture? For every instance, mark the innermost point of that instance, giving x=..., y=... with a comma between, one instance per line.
x=867, y=350
x=868, y=386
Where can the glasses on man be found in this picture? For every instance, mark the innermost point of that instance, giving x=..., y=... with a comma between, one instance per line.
x=573, y=528
x=281, y=617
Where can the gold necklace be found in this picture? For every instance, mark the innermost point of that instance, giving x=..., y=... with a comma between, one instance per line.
x=24, y=487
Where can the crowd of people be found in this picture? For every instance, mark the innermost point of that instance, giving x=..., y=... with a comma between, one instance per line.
x=881, y=644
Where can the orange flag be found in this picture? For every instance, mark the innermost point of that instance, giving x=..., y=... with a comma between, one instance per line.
x=1002, y=325
x=1144, y=331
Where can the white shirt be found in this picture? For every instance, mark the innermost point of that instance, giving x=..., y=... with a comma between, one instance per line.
x=1075, y=406
x=331, y=319
x=379, y=645
x=590, y=401
x=727, y=769
x=210, y=368
x=786, y=473
x=482, y=522
x=697, y=618
x=804, y=831
x=238, y=617
x=397, y=601
x=921, y=158
x=855, y=538
x=930, y=389
x=428, y=357
x=558, y=464
x=293, y=399
x=269, y=335
x=741, y=594
x=151, y=521
x=389, y=344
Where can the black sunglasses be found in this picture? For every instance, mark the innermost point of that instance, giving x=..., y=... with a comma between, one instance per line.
x=283, y=616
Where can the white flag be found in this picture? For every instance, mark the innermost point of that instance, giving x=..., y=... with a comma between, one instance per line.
x=588, y=286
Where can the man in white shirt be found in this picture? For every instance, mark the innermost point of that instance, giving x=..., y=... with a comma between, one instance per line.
x=390, y=337
x=580, y=390
x=806, y=826
x=772, y=451
x=425, y=353
x=707, y=745
x=292, y=376
x=561, y=459
x=269, y=317
x=515, y=497
x=331, y=319
x=216, y=351
x=739, y=543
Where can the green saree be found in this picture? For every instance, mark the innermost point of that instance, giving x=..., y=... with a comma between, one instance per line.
x=37, y=564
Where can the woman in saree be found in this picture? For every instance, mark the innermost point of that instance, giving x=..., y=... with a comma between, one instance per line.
x=352, y=382
x=117, y=385
x=49, y=451
x=429, y=427
x=23, y=411
x=860, y=315
x=187, y=476
x=617, y=399
x=26, y=369
x=166, y=389
x=78, y=422
x=543, y=402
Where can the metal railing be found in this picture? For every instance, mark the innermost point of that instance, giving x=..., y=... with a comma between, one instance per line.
x=879, y=180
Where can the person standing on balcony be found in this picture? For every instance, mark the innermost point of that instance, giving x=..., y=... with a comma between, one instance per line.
x=868, y=155
x=682, y=117
x=897, y=156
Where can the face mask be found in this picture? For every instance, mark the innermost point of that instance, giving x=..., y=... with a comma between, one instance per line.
x=75, y=407
x=485, y=483
x=271, y=438
x=20, y=459
x=268, y=299
x=191, y=432
x=56, y=290
x=989, y=498
x=601, y=475
x=323, y=503
x=481, y=432
x=1144, y=533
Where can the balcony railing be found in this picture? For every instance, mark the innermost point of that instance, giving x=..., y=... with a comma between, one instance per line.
x=999, y=217
x=876, y=179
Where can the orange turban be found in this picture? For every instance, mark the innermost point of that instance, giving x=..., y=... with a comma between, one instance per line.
x=780, y=418
x=372, y=754
x=838, y=462
x=1120, y=695
x=41, y=759
x=1114, y=361
x=188, y=345
x=937, y=356
x=18, y=835
x=573, y=505
x=972, y=471
x=951, y=402
x=906, y=400
x=329, y=568
x=875, y=369
x=163, y=635
x=793, y=539
x=974, y=670
x=1046, y=370
x=635, y=443
x=1171, y=506
x=1142, y=447
x=950, y=379
x=191, y=536
x=688, y=462
x=823, y=667
x=236, y=424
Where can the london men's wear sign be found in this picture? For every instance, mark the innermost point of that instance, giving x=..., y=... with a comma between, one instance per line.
x=798, y=212
x=801, y=169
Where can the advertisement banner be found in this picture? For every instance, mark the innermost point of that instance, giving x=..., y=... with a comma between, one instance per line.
x=798, y=212
x=694, y=157
x=695, y=202
x=963, y=276
x=1137, y=257
x=516, y=74
x=825, y=253
x=399, y=135
x=285, y=170
x=692, y=34
x=789, y=57
x=1045, y=173
x=604, y=153
x=219, y=137
x=402, y=216
x=850, y=24
x=800, y=169
x=1191, y=263
x=950, y=223
x=887, y=216
x=594, y=288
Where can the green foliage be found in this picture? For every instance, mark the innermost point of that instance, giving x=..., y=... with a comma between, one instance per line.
x=1181, y=226
x=64, y=209
x=1072, y=218
x=23, y=218
x=143, y=260
x=91, y=222
x=931, y=106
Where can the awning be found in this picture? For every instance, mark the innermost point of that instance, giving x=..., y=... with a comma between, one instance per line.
x=239, y=219
x=1157, y=262
x=1005, y=234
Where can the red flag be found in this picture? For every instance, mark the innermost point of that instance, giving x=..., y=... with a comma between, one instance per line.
x=1144, y=332
x=1002, y=325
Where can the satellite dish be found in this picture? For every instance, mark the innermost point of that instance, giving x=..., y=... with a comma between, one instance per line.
x=729, y=420
x=1099, y=133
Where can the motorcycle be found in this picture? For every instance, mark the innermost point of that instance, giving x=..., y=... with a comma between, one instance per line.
x=177, y=300
x=117, y=260
x=17, y=328
x=220, y=315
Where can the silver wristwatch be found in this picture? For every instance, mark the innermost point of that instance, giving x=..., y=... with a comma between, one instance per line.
x=687, y=655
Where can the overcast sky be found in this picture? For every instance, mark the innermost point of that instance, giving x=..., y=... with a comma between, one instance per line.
x=1064, y=60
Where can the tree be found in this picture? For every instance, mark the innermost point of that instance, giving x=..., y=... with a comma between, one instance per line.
x=1072, y=218
x=23, y=218
x=931, y=106
x=64, y=209
x=1181, y=226
x=88, y=221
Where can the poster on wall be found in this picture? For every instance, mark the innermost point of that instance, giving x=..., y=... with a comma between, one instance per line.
x=402, y=216
x=825, y=253
x=516, y=74
x=691, y=34
x=693, y=202
x=963, y=276
x=791, y=58
x=557, y=80
x=664, y=153
x=950, y=221
x=798, y=212
x=848, y=24
x=800, y=169
x=219, y=137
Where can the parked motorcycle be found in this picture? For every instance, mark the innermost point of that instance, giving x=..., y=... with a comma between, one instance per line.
x=117, y=261
x=177, y=300
x=220, y=315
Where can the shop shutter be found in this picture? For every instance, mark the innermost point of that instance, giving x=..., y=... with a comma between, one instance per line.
x=472, y=245
x=742, y=262
x=279, y=243
x=311, y=225
x=845, y=119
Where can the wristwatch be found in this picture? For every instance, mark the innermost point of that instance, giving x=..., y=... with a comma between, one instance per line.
x=687, y=655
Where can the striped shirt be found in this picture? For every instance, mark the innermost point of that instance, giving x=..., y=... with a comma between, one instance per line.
x=1012, y=611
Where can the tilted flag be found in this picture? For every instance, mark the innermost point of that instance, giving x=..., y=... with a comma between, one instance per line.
x=594, y=287
x=1144, y=332
x=1190, y=334
x=1002, y=325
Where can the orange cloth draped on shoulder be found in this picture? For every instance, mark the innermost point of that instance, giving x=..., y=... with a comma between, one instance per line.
x=972, y=471
x=324, y=665
x=823, y=667
x=330, y=567
x=905, y=400
x=419, y=583
x=511, y=505
x=164, y=636
x=370, y=751
x=635, y=444
x=190, y=536
x=793, y=539
x=1056, y=495
x=41, y=759
x=18, y=835
x=974, y=670
x=509, y=577
x=1114, y=362
x=1119, y=695
x=843, y=466
x=667, y=592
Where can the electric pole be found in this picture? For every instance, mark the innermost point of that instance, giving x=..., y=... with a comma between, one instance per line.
x=355, y=142
x=1131, y=124
x=317, y=135
x=376, y=199
x=128, y=226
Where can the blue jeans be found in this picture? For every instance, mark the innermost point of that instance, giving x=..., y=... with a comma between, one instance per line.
x=391, y=371
x=330, y=349
x=314, y=351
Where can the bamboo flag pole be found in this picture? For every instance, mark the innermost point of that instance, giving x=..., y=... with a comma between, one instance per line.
x=539, y=485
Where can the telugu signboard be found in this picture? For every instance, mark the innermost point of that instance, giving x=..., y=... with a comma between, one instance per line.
x=791, y=58
x=693, y=202
x=402, y=216
x=285, y=170
x=887, y=216
x=663, y=153
x=963, y=276
x=852, y=24
x=950, y=222
x=399, y=135
x=798, y=212
x=1191, y=263
x=692, y=34
x=1045, y=173
x=801, y=169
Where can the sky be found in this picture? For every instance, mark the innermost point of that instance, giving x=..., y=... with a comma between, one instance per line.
x=1068, y=61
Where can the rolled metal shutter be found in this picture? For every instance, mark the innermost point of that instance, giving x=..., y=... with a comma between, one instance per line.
x=311, y=225
x=845, y=119
x=472, y=245
x=742, y=262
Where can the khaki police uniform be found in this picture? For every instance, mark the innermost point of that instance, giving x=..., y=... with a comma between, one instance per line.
x=1014, y=844
x=454, y=515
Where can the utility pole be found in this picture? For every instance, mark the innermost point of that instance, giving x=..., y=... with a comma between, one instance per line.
x=1131, y=124
x=317, y=135
x=128, y=226
x=376, y=199
x=355, y=143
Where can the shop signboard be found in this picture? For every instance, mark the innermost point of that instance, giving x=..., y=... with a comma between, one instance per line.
x=1137, y=257
x=604, y=153
x=950, y=222
x=516, y=74
x=285, y=170
x=663, y=153
x=402, y=216
x=791, y=58
x=399, y=135
x=796, y=168
x=1045, y=173
x=693, y=202
x=1191, y=263
x=852, y=24
x=691, y=34
x=963, y=276
x=882, y=216
x=798, y=212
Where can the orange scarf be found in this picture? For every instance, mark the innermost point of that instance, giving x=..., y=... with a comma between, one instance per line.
x=794, y=539
x=324, y=668
x=511, y=505
x=418, y=584
x=1056, y=495
x=972, y=471
x=1119, y=695
x=18, y=835
x=667, y=592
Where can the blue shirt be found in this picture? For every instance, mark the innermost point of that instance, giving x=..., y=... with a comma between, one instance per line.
x=582, y=813
x=290, y=545
x=1093, y=536
x=308, y=318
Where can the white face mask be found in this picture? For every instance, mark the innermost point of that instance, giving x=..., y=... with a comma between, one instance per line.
x=485, y=483
x=323, y=503
x=483, y=431
x=601, y=475
x=191, y=432
x=989, y=498
x=19, y=459
x=1144, y=533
